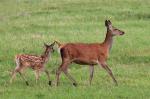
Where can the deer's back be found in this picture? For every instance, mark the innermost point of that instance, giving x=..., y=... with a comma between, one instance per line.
x=82, y=53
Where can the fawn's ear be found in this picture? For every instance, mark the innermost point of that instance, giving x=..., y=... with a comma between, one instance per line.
x=53, y=44
x=45, y=45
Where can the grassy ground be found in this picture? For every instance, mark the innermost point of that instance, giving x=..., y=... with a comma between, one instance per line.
x=26, y=24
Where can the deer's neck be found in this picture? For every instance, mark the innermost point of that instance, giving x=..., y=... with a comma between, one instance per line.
x=108, y=41
x=45, y=56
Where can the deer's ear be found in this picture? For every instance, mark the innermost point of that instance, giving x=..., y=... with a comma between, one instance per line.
x=109, y=22
x=106, y=23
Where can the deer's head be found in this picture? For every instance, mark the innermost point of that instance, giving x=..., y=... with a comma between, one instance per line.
x=112, y=30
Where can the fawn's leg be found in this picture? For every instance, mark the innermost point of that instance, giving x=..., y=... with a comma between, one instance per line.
x=23, y=77
x=37, y=74
x=13, y=76
x=48, y=76
x=18, y=68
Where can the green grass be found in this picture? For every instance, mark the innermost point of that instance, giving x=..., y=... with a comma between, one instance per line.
x=26, y=24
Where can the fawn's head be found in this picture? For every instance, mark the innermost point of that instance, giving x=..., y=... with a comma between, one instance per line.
x=112, y=30
x=49, y=48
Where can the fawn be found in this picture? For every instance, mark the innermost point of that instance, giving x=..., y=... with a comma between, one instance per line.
x=88, y=54
x=37, y=63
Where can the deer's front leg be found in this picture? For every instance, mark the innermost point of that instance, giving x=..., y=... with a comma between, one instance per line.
x=105, y=66
x=91, y=73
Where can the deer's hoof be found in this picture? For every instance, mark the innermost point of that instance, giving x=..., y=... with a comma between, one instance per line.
x=75, y=84
x=50, y=83
x=27, y=83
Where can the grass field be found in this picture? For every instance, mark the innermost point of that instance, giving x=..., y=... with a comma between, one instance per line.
x=26, y=24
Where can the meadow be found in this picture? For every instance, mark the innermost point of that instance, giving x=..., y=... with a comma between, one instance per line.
x=26, y=24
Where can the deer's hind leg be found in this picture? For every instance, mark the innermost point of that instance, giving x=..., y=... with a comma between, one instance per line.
x=63, y=67
x=70, y=77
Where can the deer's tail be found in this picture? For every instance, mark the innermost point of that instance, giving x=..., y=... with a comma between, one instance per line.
x=58, y=43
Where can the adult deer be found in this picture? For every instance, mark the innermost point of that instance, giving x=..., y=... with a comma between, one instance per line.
x=88, y=54
x=37, y=63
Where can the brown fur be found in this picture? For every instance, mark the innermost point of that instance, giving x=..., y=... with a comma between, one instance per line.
x=88, y=54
